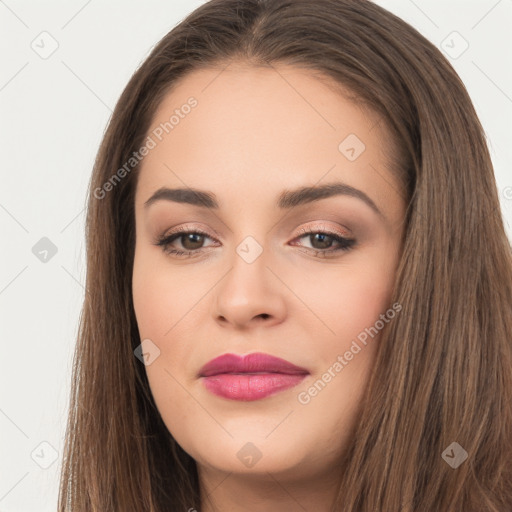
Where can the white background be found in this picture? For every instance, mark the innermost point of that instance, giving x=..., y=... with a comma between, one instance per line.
x=53, y=113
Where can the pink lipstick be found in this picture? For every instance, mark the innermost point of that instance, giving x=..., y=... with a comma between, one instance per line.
x=249, y=377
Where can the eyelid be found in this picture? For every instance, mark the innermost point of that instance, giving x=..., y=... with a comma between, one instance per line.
x=342, y=231
x=188, y=228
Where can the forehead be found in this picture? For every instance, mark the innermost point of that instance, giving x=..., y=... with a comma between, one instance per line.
x=256, y=131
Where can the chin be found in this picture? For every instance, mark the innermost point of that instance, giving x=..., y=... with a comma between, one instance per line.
x=251, y=456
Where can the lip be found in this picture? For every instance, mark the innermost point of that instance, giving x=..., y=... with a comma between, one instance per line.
x=250, y=377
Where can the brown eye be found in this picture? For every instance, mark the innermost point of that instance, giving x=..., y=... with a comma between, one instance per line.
x=192, y=241
x=322, y=241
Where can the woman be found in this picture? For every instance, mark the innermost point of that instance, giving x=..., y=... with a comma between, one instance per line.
x=299, y=283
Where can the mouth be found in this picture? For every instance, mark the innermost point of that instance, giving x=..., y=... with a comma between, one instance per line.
x=251, y=377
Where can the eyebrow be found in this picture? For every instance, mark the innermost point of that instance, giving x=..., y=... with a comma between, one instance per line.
x=288, y=198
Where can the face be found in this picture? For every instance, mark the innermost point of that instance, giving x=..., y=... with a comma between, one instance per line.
x=255, y=267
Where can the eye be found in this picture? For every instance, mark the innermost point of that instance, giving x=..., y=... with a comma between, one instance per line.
x=322, y=241
x=192, y=241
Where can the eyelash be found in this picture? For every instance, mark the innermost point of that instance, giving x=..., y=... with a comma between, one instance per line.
x=346, y=244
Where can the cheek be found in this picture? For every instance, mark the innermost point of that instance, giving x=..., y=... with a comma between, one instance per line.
x=159, y=305
x=162, y=296
x=347, y=299
x=166, y=305
x=155, y=303
x=365, y=296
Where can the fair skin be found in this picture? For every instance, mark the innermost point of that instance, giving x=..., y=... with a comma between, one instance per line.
x=254, y=134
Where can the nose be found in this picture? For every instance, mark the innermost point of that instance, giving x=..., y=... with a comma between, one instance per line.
x=249, y=294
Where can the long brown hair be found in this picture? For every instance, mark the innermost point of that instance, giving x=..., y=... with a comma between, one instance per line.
x=443, y=372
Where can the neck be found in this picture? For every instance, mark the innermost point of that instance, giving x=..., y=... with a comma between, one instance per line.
x=266, y=492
